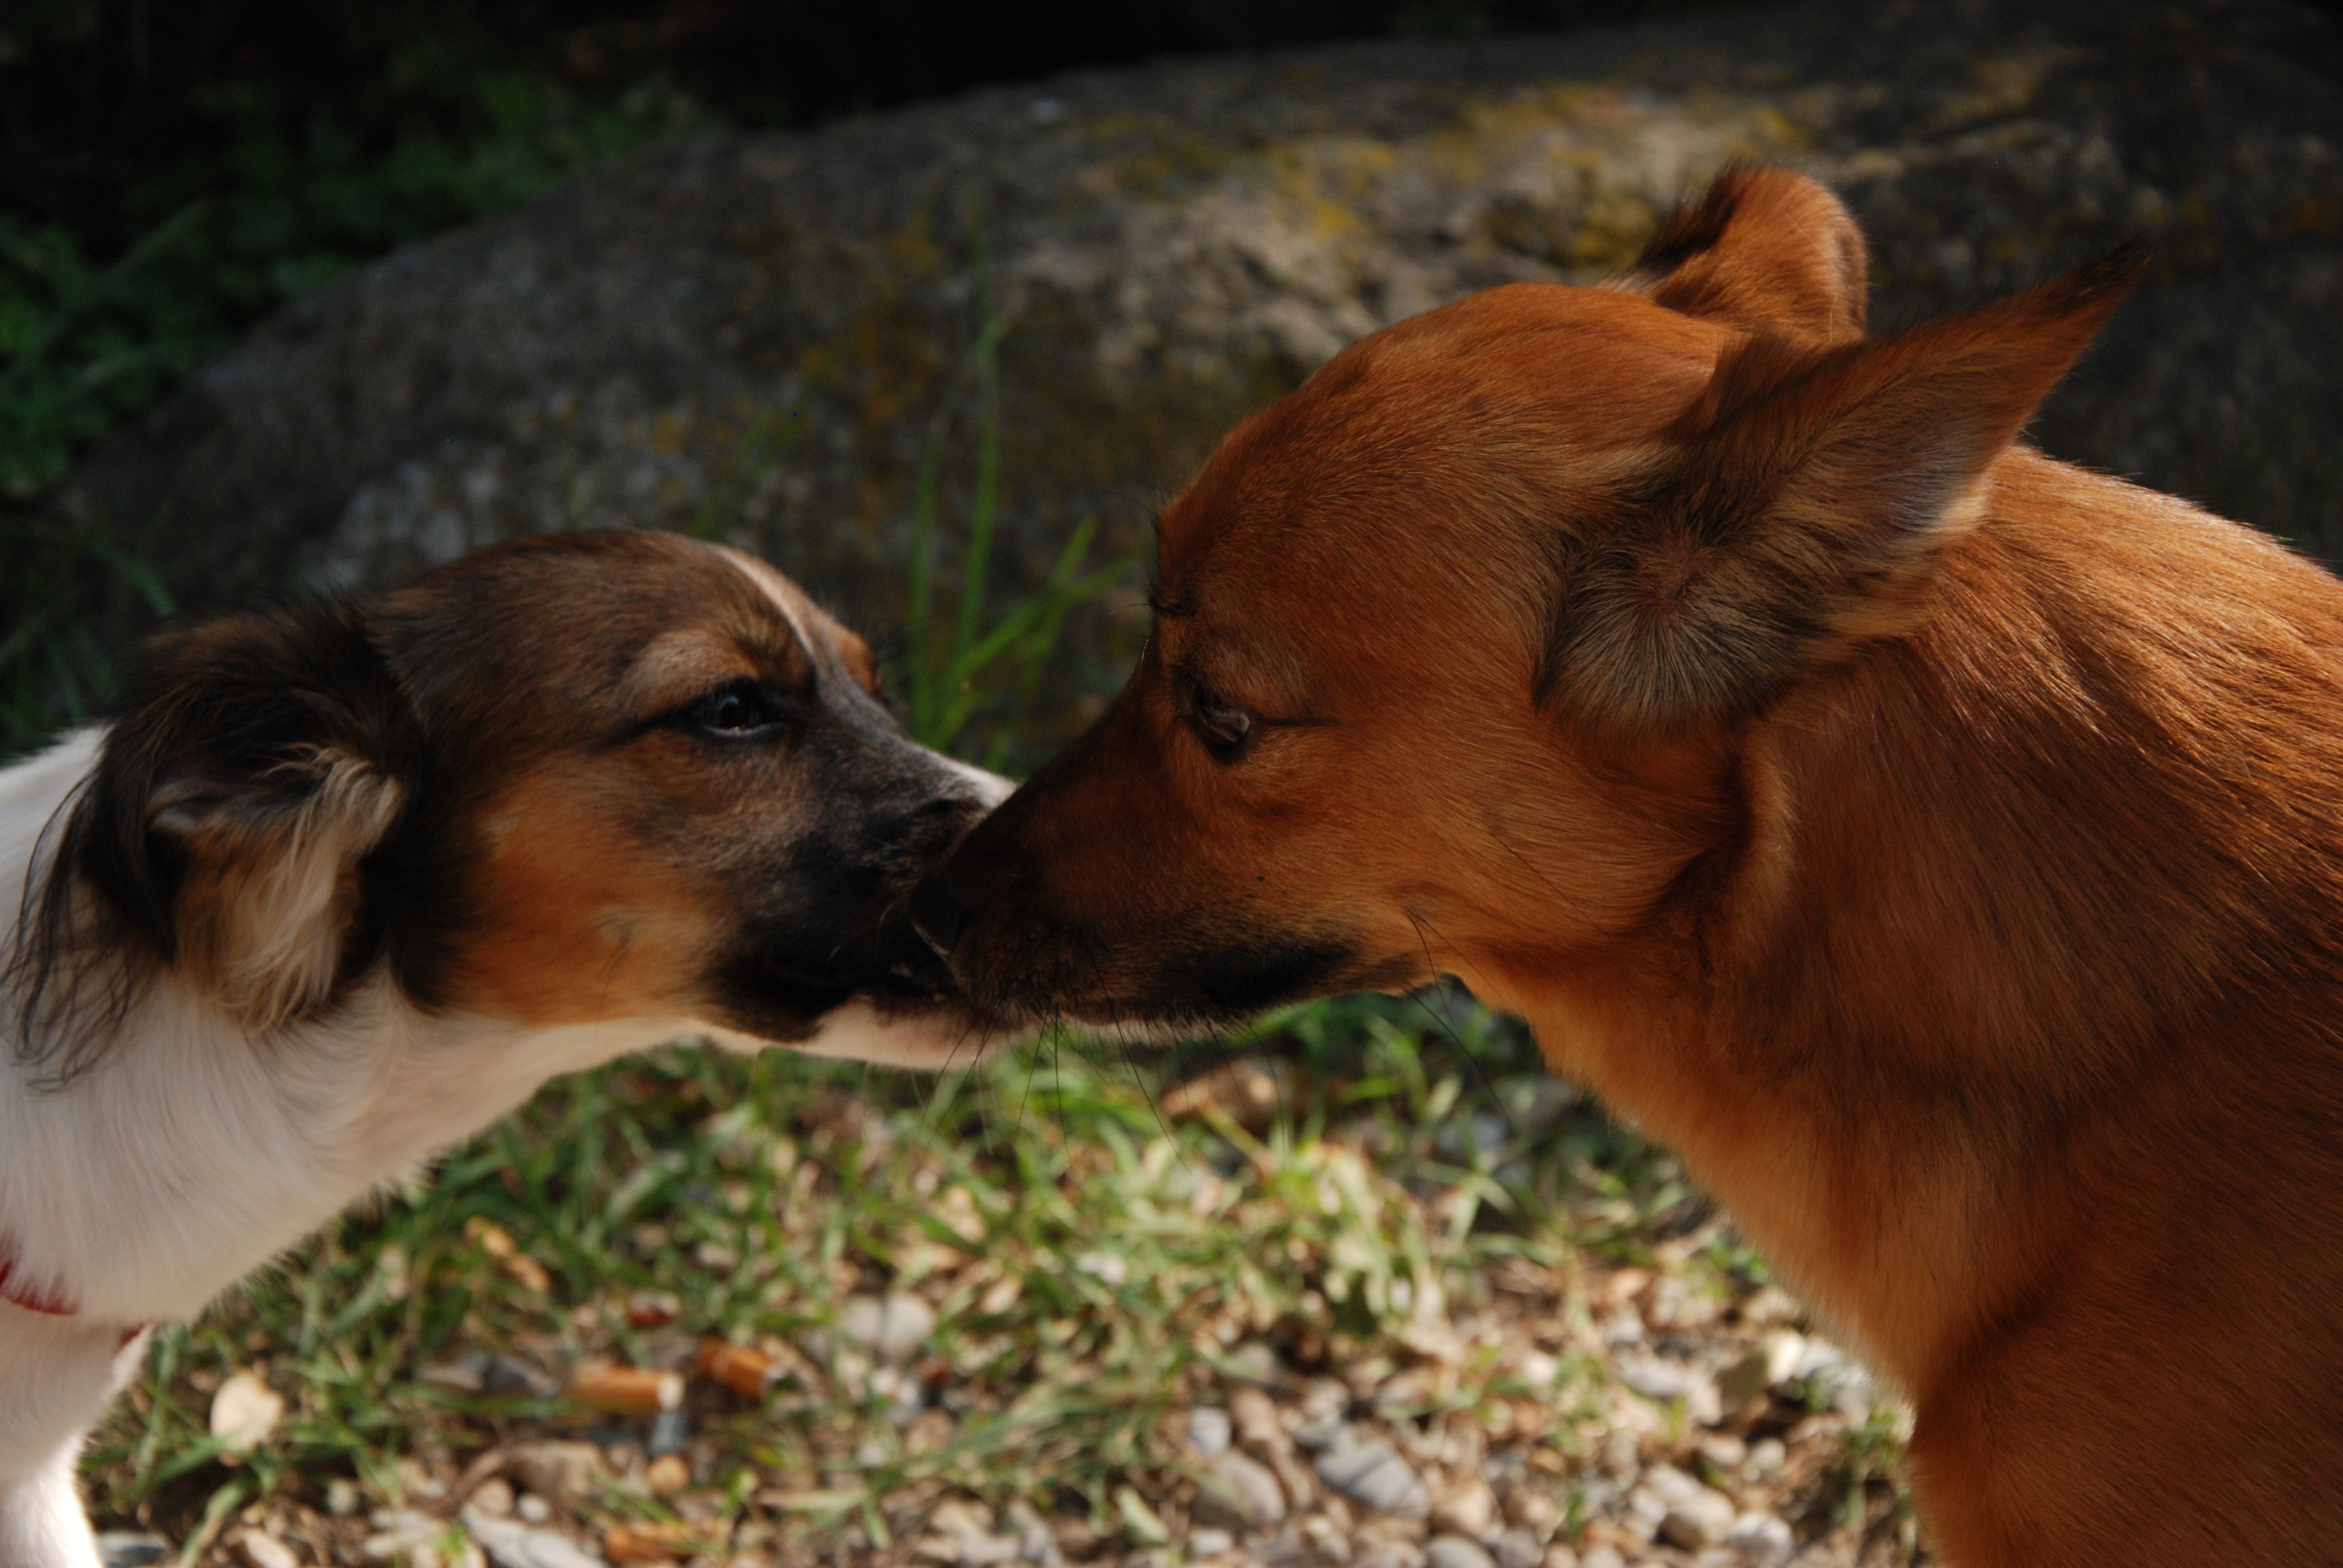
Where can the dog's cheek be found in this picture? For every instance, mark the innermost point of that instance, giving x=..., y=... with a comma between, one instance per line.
x=576, y=918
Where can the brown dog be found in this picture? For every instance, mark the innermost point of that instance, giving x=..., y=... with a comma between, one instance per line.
x=1937, y=845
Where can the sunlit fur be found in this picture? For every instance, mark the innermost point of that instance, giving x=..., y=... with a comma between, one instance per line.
x=176, y=1110
x=1937, y=845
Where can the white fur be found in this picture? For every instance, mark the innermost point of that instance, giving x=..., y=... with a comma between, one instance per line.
x=195, y=1149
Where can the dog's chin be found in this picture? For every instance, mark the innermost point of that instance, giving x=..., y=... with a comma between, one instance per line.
x=931, y=1036
x=1197, y=994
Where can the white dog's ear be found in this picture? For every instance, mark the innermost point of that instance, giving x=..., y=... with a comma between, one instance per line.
x=261, y=761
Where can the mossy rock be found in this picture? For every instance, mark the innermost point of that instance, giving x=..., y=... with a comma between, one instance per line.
x=750, y=335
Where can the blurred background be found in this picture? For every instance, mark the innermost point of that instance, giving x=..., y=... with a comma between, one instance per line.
x=242, y=152
x=314, y=296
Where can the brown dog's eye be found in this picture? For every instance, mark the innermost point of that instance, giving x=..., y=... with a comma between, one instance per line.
x=1223, y=727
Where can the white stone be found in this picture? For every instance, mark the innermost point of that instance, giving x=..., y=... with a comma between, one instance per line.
x=891, y=1327
x=1209, y=1428
x=512, y=1545
x=1468, y=1509
x=262, y=1550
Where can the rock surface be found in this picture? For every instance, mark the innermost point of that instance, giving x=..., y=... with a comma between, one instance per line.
x=750, y=335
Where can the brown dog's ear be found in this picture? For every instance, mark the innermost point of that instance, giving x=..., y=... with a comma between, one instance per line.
x=1765, y=250
x=1799, y=506
x=260, y=759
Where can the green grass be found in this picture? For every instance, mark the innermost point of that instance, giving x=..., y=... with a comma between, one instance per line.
x=1094, y=1262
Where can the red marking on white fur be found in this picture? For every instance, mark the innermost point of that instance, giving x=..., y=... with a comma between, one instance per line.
x=50, y=1300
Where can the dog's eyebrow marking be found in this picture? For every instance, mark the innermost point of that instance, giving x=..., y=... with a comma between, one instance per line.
x=689, y=657
x=769, y=581
x=1165, y=606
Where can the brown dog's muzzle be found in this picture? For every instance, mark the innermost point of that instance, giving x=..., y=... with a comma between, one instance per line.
x=1098, y=894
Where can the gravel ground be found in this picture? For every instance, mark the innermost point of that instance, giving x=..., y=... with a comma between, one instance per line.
x=1596, y=1406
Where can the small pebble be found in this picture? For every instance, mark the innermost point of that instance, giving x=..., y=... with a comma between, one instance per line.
x=1324, y=1396
x=891, y=1327
x=1211, y=1543
x=1763, y=1541
x=1286, y=1546
x=493, y=1497
x=1330, y=1539
x=1703, y=1519
x=1254, y=1362
x=513, y=1546
x=1625, y=1327
x=1456, y=1551
x=1518, y=1548
x=1725, y=1452
x=1209, y=1428
x=533, y=1509
x=960, y=1518
x=1241, y=1493
x=1374, y=1474
x=1468, y=1509
x=1325, y=1432
x=244, y=1411
x=1390, y=1555
x=667, y=1475
x=132, y=1548
x=1601, y=1556
x=262, y=1550
x=1257, y=1424
x=1766, y=1457
x=557, y=1469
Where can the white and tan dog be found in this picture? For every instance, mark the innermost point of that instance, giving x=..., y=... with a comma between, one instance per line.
x=347, y=882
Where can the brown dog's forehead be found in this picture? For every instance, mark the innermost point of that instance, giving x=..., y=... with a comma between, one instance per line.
x=1391, y=465
x=1514, y=397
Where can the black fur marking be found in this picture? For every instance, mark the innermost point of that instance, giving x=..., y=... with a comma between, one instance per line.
x=1692, y=230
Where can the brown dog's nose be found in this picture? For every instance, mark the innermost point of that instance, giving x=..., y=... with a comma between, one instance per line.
x=938, y=912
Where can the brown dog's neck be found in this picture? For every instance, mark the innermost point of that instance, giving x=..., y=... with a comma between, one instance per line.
x=1981, y=875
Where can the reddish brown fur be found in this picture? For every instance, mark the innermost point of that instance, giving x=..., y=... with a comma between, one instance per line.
x=1937, y=845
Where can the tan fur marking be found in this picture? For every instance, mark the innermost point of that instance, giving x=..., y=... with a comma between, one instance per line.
x=582, y=924
x=266, y=904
